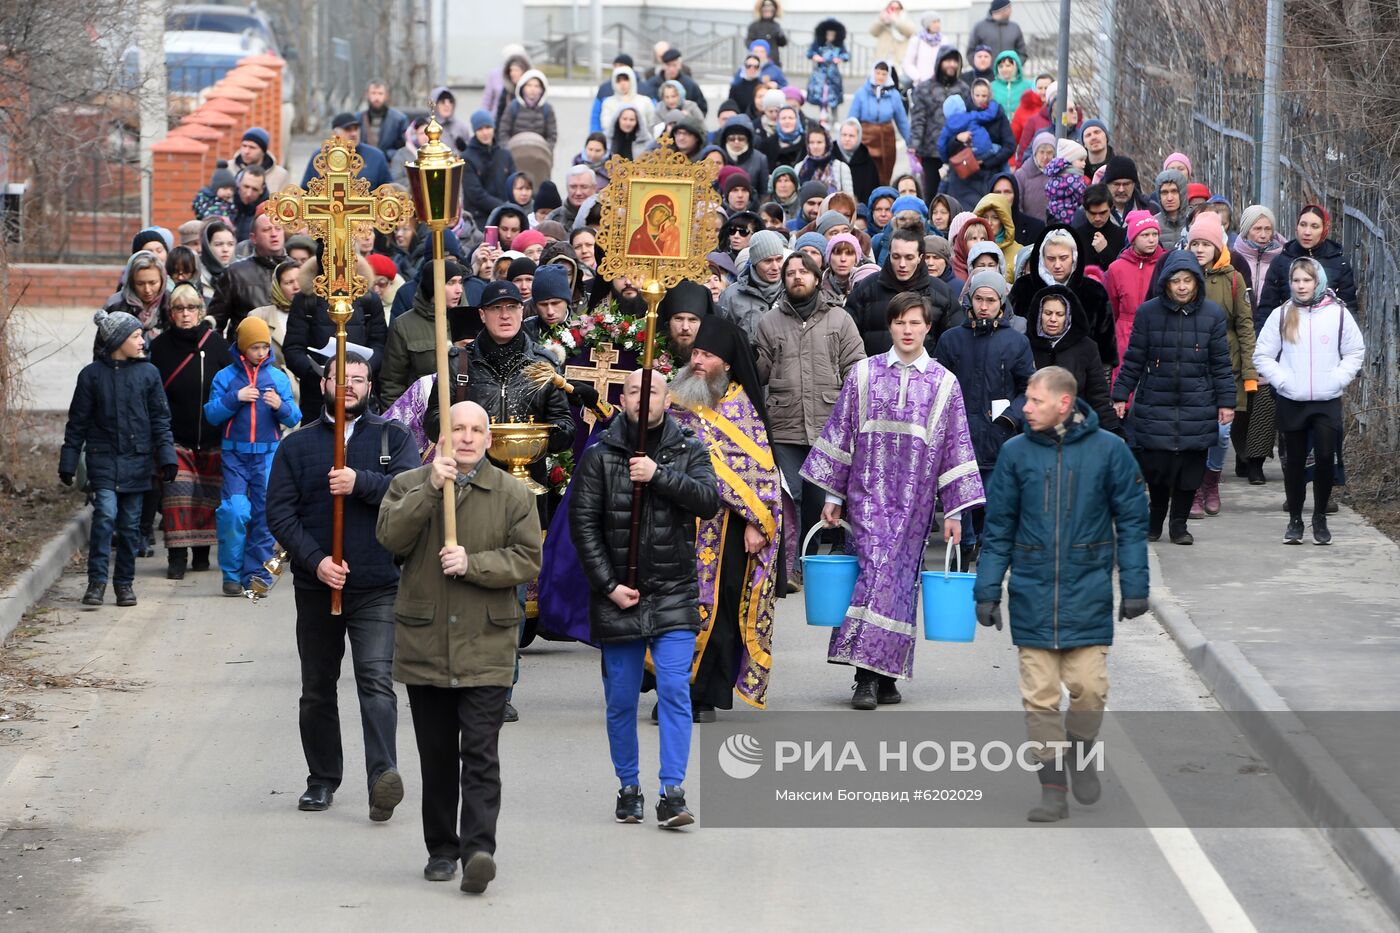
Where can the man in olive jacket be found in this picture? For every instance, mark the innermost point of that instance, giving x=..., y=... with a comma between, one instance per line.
x=661, y=613
x=455, y=635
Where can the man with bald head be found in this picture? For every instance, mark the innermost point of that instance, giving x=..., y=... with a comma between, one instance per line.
x=455, y=635
x=300, y=491
x=658, y=611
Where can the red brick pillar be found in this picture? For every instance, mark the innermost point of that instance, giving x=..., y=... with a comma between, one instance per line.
x=177, y=174
x=227, y=145
x=281, y=135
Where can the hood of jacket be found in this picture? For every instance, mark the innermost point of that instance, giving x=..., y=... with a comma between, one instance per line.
x=1078, y=327
x=997, y=202
x=819, y=34
x=945, y=53
x=631, y=75
x=995, y=62
x=739, y=122
x=986, y=248
x=1180, y=260
x=544, y=84
x=884, y=191
x=495, y=219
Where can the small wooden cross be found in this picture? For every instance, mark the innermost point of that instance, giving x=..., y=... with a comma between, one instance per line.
x=601, y=375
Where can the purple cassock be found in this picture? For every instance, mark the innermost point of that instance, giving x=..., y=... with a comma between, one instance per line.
x=896, y=442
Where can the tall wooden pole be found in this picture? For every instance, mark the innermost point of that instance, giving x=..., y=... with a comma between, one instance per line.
x=341, y=309
x=653, y=293
x=444, y=387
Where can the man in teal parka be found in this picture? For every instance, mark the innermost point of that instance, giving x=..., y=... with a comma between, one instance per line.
x=1066, y=502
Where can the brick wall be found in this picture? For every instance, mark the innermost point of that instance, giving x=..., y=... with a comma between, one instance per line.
x=38, y=285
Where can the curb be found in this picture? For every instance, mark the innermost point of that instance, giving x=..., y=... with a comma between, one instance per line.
x=1346, y=817
x=47, y=568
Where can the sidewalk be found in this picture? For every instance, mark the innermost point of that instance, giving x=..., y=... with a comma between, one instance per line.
x=1306, y=630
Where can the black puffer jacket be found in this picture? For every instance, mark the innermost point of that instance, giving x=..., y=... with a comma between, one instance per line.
x=990, y=365
x=119, y=412
x=1178, y=362
x=869, y=301
x=600, y=521
x=245, y=285
x=309, y=326
x=1275, y=290
x=1076, y=352
x=1093, y=297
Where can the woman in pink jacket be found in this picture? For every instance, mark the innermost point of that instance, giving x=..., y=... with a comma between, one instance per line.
x=1130, y=275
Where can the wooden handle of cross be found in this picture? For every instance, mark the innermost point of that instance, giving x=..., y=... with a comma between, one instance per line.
x=653, y=293
x=341, y=309
x=444, y=386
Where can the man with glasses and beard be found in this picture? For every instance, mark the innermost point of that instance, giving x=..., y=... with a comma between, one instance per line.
x=300, y=488
x=718, y=396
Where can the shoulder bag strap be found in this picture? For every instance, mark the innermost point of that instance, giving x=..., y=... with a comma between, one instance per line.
x=179, y=369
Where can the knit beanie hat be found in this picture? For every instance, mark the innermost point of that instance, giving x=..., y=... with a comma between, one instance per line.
x=999, y=5
x=1207, y=226
x=829, y=220
x=222, y=177
x=812, y=189
x=152, y=235
x=863, y=271
x=382, y=265
x=1138, y=221
x=1043, y=138
x=526, y=239
x=480, y=119
x=1197, y=190
x=1070, y=151
x=1088, y=124
x=765, y=244
x=909, y=202
x=522, y=266
x=1120, y=168
x=1253, y=214
x=551, y=282
x=258, y=135
x=815, y=240
x=935, y=245
x=849, y=240
x=547, y=196
x=773, y=100
x=113, y=328
x=1177, y=157
x=988, y=278
x=253, y=330
x=552, y=230
x=1172, y=176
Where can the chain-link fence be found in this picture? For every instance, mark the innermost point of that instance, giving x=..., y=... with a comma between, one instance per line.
x=1189, y=78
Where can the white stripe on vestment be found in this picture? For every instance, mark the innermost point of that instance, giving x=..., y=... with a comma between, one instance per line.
x=865, y=615
x=957, y=472
x=832, y=451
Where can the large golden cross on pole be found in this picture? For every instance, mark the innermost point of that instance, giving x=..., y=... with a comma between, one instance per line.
x=337, y=205
x=601, y=375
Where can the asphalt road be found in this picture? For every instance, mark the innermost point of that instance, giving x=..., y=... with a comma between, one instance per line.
x=166, y=800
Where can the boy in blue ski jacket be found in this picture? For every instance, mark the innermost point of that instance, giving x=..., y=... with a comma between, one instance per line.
x=250, y=398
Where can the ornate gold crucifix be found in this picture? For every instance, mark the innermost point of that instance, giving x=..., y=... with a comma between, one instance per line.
x=601, y=375
x=335, y=207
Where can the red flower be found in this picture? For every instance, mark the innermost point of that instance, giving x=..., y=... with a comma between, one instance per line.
x=557, y=476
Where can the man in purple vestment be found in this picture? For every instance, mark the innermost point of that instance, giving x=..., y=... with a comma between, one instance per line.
x=896, y=441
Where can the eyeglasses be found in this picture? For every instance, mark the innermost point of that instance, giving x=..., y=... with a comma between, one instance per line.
x=750, y=66
x=506, y=307
x=358, y=382
x=174, y=308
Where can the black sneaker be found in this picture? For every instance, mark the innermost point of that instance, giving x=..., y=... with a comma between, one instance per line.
x=1294, y=533
x=702, y=712
x=385, y=795
x=94, y=594
x=866, y=695
x=1319, y=529
x=630, y=805
x=440, y=868
x=671, y=811
x=1332, y=506
x=126, y=596
x=511, y=714
x=232, y=588
x=886, y=693
x=1180, y=535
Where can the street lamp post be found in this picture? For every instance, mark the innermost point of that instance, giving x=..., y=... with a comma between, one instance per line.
x=435, y=178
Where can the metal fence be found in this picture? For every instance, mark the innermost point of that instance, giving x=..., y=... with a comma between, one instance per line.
x=1189, y=78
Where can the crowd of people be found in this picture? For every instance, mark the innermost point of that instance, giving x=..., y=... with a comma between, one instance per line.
x=1016, y=343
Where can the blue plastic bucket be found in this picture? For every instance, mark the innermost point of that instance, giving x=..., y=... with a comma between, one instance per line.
x=950, y=613
x=828, y=583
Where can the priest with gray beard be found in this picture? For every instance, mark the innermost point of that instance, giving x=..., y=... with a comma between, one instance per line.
x=718, y=396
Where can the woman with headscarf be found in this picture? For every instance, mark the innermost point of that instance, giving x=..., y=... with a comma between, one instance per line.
x=187, y=355
x=787, y=142
x=1061, y=337
x=822, y=163
x=217, y=242
x=286, y=285
x=865, y=174
x=143, y=293
x=1309, y=350
x=879, y=108
x=962, y=242
x=629, y=138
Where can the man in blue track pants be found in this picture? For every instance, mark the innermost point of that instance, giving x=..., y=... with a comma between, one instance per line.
x=252, y=400
x=662, y=612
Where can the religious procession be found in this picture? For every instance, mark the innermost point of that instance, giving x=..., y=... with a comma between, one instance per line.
x=746, y=356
